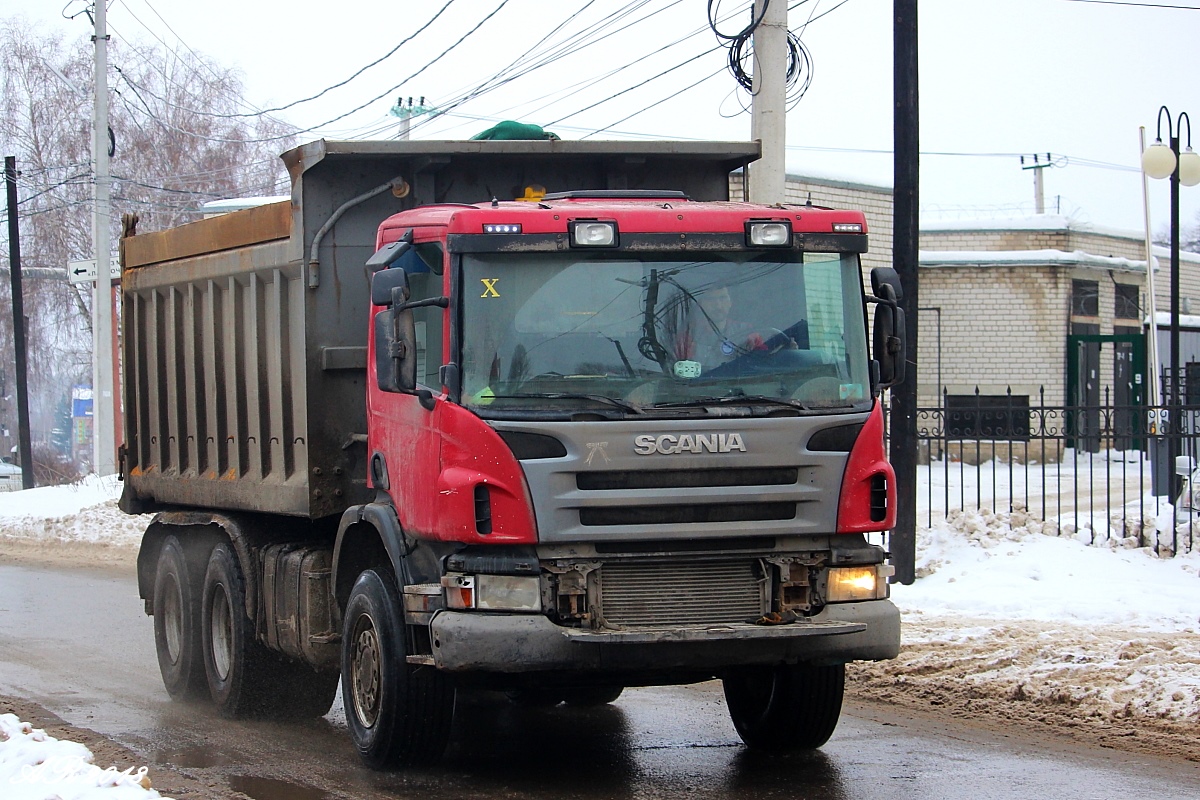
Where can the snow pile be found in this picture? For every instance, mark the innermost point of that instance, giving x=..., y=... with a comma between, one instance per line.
x=34, y=766
x=85, y=512
x=1002, y=566
x=1022, y=618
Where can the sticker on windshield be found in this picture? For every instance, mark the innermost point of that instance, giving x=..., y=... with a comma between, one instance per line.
x=850, y=391
x=687, y=369
x=484, y=396
x=489, y=287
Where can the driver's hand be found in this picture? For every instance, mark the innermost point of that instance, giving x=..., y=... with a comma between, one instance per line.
x=755, y=342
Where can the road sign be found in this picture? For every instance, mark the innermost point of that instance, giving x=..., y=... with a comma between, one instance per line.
x=85, y=271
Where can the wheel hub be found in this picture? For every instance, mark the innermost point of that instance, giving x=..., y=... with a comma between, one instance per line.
x=222, y=635
x=365, y=672
x=172, y=614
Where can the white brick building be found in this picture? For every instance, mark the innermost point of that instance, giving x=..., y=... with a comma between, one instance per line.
x=1000, y=299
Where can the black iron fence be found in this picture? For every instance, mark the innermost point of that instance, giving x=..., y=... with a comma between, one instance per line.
x=1103, y=473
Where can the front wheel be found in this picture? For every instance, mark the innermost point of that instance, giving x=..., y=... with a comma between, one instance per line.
x=788, y=707
x=398, y=714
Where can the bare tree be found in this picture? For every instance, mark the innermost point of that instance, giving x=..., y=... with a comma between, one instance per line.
x=179, y=138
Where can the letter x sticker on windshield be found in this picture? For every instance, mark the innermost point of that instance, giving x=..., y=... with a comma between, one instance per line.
x=489, y=287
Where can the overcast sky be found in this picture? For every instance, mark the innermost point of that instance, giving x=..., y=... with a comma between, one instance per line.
x=999, y=78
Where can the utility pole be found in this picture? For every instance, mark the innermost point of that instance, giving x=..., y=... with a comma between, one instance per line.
x=406, y=113
x=1039, y=197
x=18, y=306
x=104, y=402
x=905, y=246
x=768, y=175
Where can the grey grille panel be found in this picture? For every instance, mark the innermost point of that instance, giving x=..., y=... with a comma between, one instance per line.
x=699, y=593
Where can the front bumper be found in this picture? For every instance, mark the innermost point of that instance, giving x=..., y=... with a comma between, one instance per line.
x=512, y=643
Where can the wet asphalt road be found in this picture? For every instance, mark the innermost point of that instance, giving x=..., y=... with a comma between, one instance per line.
x=77, y=642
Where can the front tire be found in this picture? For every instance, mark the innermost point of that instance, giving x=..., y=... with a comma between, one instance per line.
x=788, y=707
x=177, y=637
x=398, y=714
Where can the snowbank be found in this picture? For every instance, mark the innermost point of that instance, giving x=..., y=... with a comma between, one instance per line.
x=84, y=512
x=35, y=766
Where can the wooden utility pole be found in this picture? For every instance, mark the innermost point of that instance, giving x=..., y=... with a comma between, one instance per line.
x=905, y=246
x=24, y=444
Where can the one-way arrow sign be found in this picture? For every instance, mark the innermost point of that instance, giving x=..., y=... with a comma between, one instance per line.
x=85, y=271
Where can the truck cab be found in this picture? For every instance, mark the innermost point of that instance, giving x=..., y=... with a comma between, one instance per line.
x=632, y=439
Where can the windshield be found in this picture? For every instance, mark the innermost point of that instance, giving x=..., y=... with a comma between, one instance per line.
x=573, y=330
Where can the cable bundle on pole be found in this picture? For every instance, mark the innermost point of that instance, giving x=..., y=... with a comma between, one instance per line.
x=741, y=51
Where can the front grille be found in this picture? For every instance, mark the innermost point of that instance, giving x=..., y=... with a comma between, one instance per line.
x=686, y=478
x=700, y=593
x=686, y=514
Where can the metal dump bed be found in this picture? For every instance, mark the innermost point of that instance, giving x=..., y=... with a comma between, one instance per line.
x=245, y=345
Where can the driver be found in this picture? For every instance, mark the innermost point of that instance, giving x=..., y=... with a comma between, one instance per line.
x=713, y=335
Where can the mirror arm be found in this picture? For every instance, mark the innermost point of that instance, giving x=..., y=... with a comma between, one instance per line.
x=440, y=302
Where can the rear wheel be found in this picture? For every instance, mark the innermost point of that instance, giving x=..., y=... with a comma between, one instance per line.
x=177, y=637
x=245, y=678
x=398, y=713
x=788, y=707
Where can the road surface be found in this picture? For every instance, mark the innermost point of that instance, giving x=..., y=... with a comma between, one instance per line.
x=77, y=643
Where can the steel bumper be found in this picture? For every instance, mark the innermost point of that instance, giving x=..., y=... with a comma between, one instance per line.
x=480, y=642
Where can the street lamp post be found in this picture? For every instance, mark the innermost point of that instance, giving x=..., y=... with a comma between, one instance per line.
x=1166, y=161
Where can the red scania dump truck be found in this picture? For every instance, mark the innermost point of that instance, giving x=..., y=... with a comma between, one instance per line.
x=540, y=417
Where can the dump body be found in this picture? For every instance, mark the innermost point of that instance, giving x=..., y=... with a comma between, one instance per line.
x=245, y=346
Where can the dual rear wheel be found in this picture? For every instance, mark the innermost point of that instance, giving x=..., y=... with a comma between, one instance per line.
x=207, y=645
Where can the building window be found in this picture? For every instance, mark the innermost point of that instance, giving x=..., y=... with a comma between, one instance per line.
x=987, y=416
x=1191, y=383
x=1126, y=301
x=1085, y=298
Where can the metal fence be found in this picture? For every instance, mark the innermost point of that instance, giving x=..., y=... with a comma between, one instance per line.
x=1101, y=473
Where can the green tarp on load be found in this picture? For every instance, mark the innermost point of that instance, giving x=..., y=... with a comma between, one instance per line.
x=514, y=130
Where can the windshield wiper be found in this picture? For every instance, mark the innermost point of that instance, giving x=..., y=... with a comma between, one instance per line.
x=734, y=400
x=597, y=398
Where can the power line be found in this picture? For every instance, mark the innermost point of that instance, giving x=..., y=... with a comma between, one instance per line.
x=1139, y=5
x=324, y=91
x=137, y=89
x=528, y=63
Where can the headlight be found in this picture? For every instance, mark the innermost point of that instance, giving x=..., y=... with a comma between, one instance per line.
x=852, y=584
x=593, y=234
x=769, y=234
x=493, y=592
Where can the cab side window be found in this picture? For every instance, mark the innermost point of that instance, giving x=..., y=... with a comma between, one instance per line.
x=424, y=266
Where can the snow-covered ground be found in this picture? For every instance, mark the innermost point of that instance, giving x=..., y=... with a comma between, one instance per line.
x=35, y=766
x=1008, y=608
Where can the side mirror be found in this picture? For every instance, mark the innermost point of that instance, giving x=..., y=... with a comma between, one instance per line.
x=888, y=346
x=382, y=284
x=396, y=350
x=886, y=276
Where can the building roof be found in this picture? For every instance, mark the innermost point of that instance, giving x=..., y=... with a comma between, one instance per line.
x=1024, y=258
